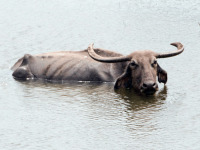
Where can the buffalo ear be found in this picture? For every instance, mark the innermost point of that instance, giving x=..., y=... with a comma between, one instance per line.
x=124, y=81
x=162, y=75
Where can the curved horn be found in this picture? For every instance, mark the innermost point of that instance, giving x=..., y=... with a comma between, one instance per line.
x=106, y=59
x=179, y=50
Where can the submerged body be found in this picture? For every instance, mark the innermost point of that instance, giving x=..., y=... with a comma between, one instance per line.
x=68, y=66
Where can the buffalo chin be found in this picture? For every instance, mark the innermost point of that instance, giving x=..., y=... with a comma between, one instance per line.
x=149, y=92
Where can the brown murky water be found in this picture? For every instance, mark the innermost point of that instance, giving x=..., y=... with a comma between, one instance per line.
x=39, y=115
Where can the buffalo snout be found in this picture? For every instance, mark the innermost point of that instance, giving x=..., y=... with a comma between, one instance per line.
x=149, y=87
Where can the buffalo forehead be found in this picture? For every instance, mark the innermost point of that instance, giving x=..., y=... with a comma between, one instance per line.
x=143, y=56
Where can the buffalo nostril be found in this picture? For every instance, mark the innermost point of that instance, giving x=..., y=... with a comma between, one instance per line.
x=144, y=85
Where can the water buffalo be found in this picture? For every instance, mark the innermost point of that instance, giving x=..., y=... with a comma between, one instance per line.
x=137, y=70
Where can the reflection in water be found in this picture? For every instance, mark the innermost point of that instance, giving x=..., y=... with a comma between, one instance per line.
x=139, y=101
x=100, y=101
x=94, y=92
x=141, y=110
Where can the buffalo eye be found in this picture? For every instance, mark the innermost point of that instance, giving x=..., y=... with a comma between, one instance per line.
x=154, y=63
x=133, y=64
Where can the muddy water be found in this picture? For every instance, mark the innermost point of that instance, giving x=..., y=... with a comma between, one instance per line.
x=40, y=115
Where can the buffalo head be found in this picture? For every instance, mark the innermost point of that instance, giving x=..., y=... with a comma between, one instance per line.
x=141, y=70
